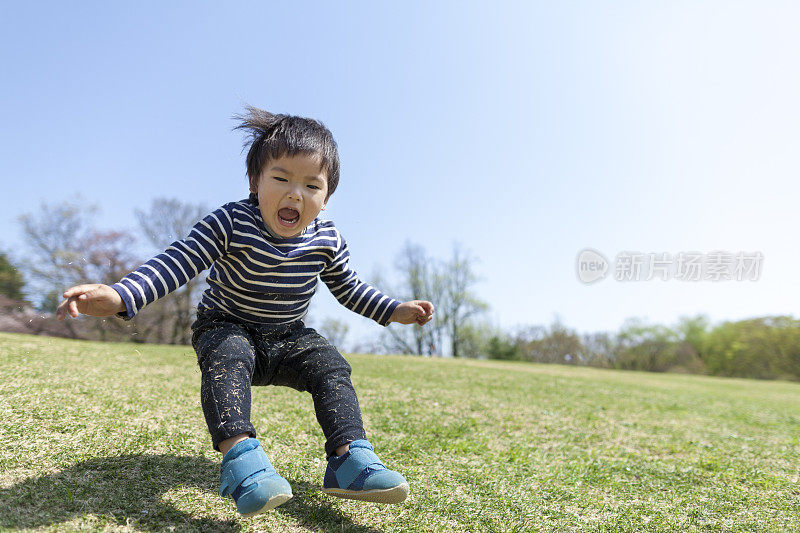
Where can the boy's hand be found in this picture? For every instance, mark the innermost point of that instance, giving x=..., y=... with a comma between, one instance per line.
x=92, y=299
x=415, y=311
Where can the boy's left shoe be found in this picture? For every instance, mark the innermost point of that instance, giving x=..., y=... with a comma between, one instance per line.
x=360, y=475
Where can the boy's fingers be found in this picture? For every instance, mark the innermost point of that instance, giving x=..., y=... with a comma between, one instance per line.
x=77, y=289
x=423, y=319
x=427, y=306
x=60, y=310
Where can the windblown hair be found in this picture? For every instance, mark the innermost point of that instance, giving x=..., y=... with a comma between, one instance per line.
x=273, y=136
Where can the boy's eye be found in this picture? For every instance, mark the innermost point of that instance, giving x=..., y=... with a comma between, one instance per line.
x=279, y=178
x=313, y=187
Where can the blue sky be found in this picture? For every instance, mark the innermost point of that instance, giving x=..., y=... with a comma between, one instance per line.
x=525, y=131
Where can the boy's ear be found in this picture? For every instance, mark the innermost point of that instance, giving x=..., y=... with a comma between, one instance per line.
x=254, y=183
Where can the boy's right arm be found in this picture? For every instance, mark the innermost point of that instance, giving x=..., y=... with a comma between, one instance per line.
x=164, y=273
x=91, y=299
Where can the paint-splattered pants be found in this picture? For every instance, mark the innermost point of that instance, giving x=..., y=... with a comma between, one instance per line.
x=234, y=354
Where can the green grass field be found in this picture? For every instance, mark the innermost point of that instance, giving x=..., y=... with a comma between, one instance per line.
x=111, y=437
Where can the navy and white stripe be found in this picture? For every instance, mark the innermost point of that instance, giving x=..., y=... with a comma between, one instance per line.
x=255, y=276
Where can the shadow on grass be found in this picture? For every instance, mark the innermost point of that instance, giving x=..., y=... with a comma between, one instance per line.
x=129, y=490
x=309, y=508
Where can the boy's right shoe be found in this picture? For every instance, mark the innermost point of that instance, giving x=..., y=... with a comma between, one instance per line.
x=247, y=476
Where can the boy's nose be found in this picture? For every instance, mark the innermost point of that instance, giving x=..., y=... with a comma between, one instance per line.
x=294, y=194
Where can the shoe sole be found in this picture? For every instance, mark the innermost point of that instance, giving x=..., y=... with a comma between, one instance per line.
x=273, y=502
x=393, y=495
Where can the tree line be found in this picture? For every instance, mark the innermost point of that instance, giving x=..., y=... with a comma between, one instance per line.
x=764, y=348
x=63, y=248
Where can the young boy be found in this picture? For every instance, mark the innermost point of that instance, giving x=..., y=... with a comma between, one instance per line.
x=265, y=254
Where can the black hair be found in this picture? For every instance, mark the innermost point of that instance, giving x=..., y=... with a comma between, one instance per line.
x=272, y=136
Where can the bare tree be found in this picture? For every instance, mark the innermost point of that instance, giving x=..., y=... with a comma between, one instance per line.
x=599, y=349
x=335, y=331
x=64, y=249
x=556, y=344
x=166, y=221
x=458, y=302
x=53, y=238
x=420, y=280
x=105, y=258
x=449, y=285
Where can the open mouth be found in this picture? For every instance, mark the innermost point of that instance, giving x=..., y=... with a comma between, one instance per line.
x=288, y=216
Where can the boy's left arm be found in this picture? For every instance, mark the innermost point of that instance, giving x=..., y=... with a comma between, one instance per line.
x=365, y=300
x=413, y=312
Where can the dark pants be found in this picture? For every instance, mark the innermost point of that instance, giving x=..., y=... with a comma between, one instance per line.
x=234, y=354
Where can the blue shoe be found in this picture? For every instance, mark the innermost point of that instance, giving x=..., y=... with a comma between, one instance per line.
x=360, y=475
x=247, y=476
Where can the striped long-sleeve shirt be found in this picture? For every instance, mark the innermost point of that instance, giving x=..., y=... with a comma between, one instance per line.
x=255, y=276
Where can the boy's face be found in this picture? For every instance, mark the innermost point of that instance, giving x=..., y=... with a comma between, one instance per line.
x=291, y=190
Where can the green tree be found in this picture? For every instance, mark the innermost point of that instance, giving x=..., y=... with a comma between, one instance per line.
x=12, y=283
x=642, y=346
x=502, y=347
x=765, y=348
x=694, y=331
x=482, y=339
x=657, y=348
